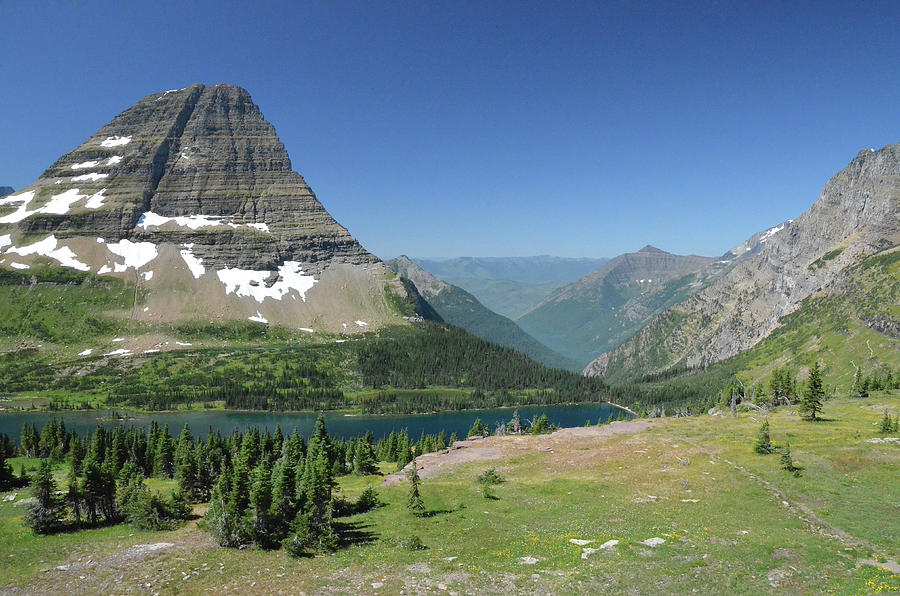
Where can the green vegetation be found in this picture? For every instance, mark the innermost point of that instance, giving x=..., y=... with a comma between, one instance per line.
x=725, y=527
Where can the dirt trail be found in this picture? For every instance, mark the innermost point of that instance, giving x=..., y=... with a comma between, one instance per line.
x=494, y=448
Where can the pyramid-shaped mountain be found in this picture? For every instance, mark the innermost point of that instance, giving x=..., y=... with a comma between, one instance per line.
x=190, y=195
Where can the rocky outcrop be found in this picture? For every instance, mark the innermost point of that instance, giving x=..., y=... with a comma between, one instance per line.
x=6, y=190
x=195, y=184
x=857, y=215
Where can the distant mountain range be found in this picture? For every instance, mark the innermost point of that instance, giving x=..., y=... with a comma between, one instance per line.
x=832, y=270
x=460, y=308
x=607, y=306
x=6, y=190
x=510, y=286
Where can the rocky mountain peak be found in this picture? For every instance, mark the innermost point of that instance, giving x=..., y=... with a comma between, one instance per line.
x=195, y=178
x=652, y=249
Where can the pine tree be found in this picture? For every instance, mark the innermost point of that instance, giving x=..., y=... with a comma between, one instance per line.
x=763, y=443
x=73, y=496
x=44, y=515
x=364, y=459
x=813, y=394
x=787, y=462
x=7, y=480
x=414, y=503
x=261, y=504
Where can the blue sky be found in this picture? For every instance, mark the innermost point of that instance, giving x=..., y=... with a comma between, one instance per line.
x=492, y=128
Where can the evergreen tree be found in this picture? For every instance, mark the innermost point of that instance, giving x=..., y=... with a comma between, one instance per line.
x=284, y=502
x=44, y=515
x=787, y=462
x=260, y=505
x=887, y=425
x=763, y=443
x=73, y=496
x=813, y=394
x=364, y=462
x=7, y=480
x=414, y=503
x=164, y=458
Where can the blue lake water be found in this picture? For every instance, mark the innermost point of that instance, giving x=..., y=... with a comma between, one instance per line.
x=338, y=425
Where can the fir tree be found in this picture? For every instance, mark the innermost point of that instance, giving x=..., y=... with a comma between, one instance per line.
x=763, y=443
x=414, y=503
x=787, y=462
x=260, y=505
x=364, y=462
x=44, y=515
x=813, y=394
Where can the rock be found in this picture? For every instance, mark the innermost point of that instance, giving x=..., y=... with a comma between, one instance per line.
x=609, y=544
x=767, y=277
x=528, y=560
x=586, y=552
x=653, y=542
x=580, y=542
x=10, y=498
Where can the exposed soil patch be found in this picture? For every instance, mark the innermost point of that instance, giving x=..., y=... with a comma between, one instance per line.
x=494, y=448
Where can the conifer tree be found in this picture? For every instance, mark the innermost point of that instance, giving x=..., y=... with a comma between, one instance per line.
x=813, y=394
x=73, y=496
x=44, y=515
x=414, y=503
x=364, y=459
x=763, y=443
x=261, y=504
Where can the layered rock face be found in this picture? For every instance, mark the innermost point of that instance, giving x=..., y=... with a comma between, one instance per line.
x=191, y=194
x=857, y=215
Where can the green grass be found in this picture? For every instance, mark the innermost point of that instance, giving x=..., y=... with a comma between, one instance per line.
x=737, y=538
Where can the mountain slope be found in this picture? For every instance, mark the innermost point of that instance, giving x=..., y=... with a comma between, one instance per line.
x=607, y=306
x=510, y=286
x=458, y=307
x=190, y=198
x=856, y=216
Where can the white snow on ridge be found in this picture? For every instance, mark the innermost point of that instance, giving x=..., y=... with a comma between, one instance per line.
x=104, y=269
x=247, y=282
x=86, y=352
x=48, y=248
x=115, y=141
x=306, y=329
x=5, y=240
x=771, y=232
x=119, y=352
x=147, y=275
x=19, y=266
x=113, y=160
x=194, y=222
x=136, y=254
x=362, y=323
x=195, y=264
x=93, y=177
x=258, y=318
x=85, y=164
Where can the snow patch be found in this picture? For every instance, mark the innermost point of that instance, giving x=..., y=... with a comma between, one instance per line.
x=151, y=351
x=119, y=352
x=113, y=160
x=95, y=202
x=100, y=240
x=19, y=266
x=182, y=344
x=115, y=141
x=146, y=308
x=771, y=232
x=362, y=323
x=147, y=275
x=86, y=352
x=247, y=282
x=104, y=269
x=306, y=329
x=61, y=203
x=85, y=164
x=194, y=222
x=5, y=240
x=258, y=318
x=48, y=248
x=195, y=264
x=20, y=213
x=136, y=254
x=93, y=177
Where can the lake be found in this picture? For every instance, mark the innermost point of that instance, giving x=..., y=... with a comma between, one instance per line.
x=338, y=425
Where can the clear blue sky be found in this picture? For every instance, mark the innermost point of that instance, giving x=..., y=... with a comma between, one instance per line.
x=492, y=128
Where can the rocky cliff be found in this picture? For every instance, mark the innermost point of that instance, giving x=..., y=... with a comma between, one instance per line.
x=191, y=195
x=857, y=215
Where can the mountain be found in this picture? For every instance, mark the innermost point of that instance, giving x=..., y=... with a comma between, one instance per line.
x=795, y=264
x=6, y=190
x=189, y=198
x=460, y=308
x=510, y=286
x=607, y=306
